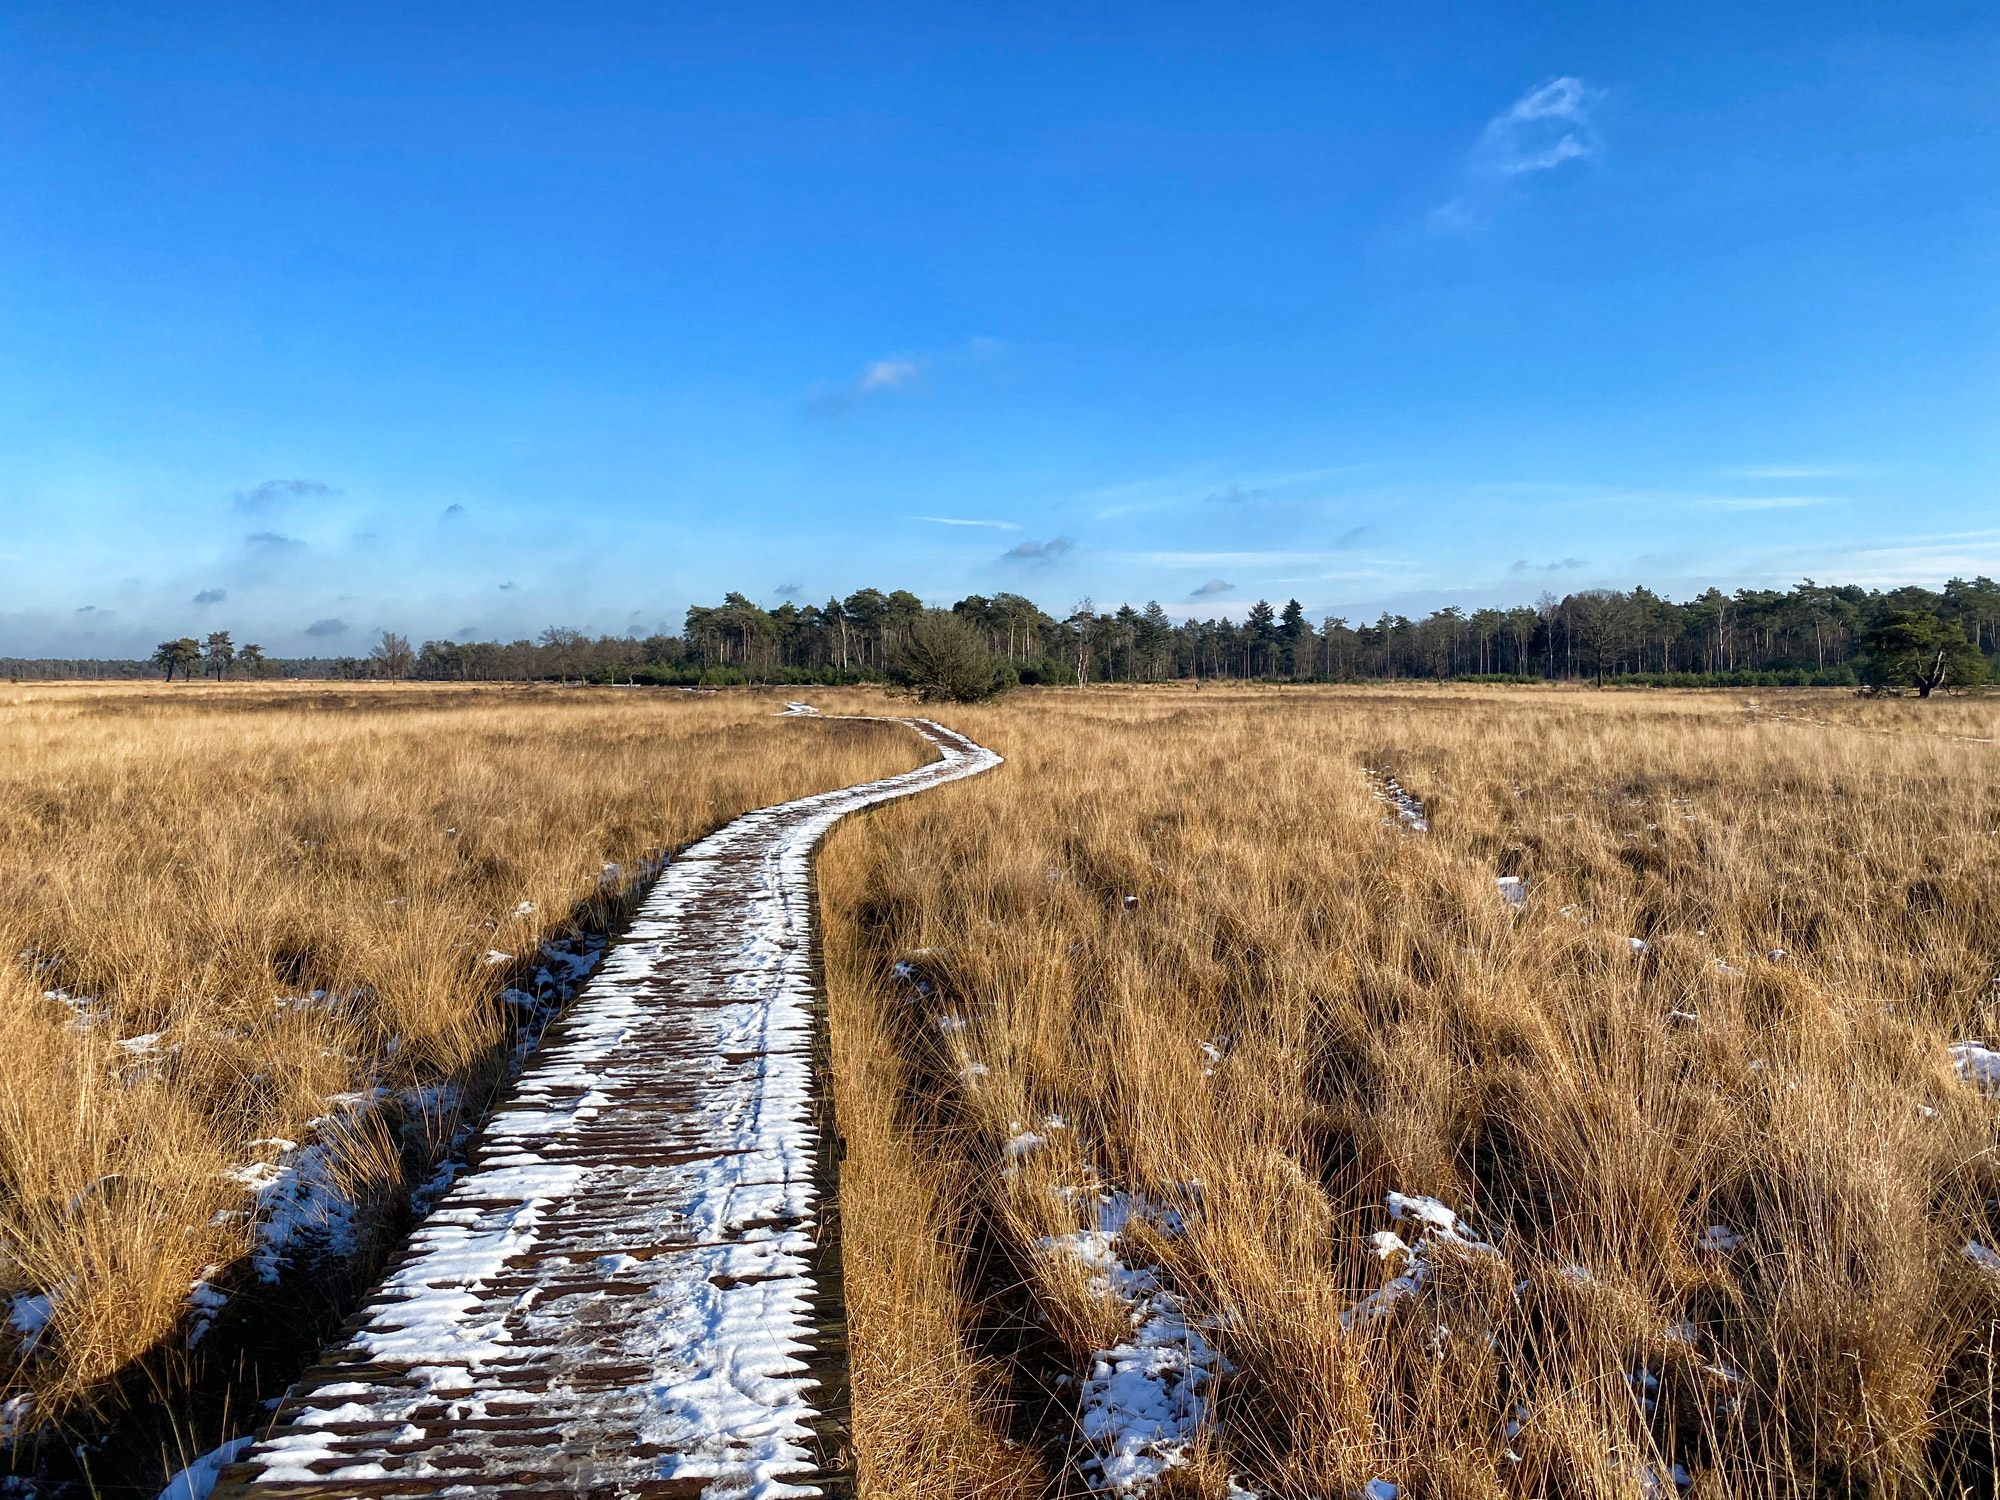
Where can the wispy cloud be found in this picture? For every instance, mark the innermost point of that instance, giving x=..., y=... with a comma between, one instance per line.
x=211, y=596
x=273, y=492
x=453, y=511
x=1766, y=502
x=1351, y=537
x=887, y=374
x=1544, y=128
x=1788, y=471
x=1210, y=589
x=273, y=541
x=1560, y=565
x=962, y=521
x=784, y=591
x=326, y=627
x=1042, y=552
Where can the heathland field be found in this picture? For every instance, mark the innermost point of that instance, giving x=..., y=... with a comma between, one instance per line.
x=269, y=946
x=1600, y=1126
x=1302, y=1091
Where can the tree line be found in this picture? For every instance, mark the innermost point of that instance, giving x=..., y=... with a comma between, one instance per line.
x=1827, y=634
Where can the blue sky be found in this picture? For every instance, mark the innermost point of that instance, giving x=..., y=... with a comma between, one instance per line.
x=463, y=320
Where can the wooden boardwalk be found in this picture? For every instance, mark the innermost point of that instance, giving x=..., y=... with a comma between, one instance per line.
x=627, y=1293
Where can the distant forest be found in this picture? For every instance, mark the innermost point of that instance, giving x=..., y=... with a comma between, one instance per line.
x=1812, y=634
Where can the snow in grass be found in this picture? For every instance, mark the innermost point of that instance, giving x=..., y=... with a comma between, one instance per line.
x=1513, y=890
x=1144, y=1401
x=198, y=1478
x=1978, y=1065
x=1022, y=1143
x=29, y=1316
x=1409, y=811
x=1719, y=1238
x=1435, y=1228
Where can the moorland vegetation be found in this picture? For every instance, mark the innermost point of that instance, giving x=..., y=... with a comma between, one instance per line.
x=1603, y=1118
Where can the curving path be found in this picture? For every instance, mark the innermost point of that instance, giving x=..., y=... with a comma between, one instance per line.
x=627, y=1292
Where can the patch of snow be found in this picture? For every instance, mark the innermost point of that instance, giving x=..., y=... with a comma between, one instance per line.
x=1719, y=1238
x=29, y=1317
x=1409, y=811
x=1513, y=890
x=205, y=1303
x=1437, y=1228
x=198, y=1478
x=795, y=709
x=1982, y=1256
x=1637, y=945
x=1143, y=1401
x=1377, y=1489
x=495, y=958
x=1978, y=1065
x=1023, y=1143
x=16, y=1413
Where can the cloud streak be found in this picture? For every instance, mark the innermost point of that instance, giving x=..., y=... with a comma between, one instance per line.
x=1039, y=552
x=273, y=492
x=962, y=521
x=1767, y=502
x=1538, y=132
x=878, y=376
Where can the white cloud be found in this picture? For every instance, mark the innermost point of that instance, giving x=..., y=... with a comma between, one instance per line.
x=887, y=374
x=961, y=521
x=1539, y=131
x=877, y=376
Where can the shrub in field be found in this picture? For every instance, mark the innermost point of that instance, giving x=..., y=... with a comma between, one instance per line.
x=945, y=658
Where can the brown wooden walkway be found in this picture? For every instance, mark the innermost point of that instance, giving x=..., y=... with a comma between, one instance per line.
x=627, y=1293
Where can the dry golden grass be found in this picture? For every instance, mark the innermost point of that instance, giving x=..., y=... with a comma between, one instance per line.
x=1386, y=1022
x=176, y=860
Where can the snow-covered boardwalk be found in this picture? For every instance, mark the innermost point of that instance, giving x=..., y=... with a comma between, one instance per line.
x=626, y=1293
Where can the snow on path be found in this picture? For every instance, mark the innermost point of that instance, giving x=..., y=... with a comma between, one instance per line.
x=617, y=1296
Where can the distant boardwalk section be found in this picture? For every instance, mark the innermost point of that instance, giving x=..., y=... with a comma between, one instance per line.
x=620, y=1296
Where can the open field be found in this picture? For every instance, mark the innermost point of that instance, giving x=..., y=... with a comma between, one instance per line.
x=258, y=943
x=1189, y=1087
